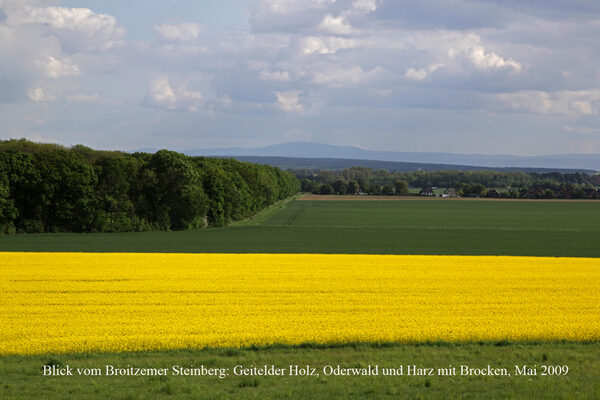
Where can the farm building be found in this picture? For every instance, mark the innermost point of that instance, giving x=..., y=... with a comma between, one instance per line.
x=426, y=191
x=450, y=192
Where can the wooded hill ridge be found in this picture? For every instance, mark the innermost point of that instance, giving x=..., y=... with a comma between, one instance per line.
x=52, y=188
x=338, y=164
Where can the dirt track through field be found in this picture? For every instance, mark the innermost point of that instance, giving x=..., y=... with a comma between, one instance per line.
x=320, y=197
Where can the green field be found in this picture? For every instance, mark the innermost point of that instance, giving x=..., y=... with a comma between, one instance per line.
x=551, y=228
x=20, y=377
x=470, y=227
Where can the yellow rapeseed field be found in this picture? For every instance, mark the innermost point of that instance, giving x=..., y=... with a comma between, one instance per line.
x=76, y=302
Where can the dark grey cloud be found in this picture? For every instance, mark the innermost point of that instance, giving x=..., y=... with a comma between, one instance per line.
x=444, y=14
x=555, y=9
x=480, y=14
x=13, y=89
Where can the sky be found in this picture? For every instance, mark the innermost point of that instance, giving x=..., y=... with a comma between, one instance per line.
x=462, y=76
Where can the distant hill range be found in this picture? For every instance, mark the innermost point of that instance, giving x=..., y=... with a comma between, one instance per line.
x=325, y=156
x=342, y=163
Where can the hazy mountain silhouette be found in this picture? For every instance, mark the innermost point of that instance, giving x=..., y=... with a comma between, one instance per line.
x=320, y=150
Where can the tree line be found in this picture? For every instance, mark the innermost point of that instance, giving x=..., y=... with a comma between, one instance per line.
x=356, y=180
x=51, y=188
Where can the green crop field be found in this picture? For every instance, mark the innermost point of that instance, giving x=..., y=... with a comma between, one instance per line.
x=472, y=227
x=20, y=377
x=551, y=228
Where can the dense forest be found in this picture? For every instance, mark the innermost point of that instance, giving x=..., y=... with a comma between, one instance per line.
x=51, y=188
x=465, y=183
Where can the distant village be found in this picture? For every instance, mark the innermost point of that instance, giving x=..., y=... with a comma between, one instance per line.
x=533, y=193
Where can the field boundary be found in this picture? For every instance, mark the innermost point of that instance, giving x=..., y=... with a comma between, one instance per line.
x=293, y=217
x=263, y=215
x=341, y=197
x=314, y=346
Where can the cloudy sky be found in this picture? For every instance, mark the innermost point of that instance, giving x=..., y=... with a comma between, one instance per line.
x=464, y=76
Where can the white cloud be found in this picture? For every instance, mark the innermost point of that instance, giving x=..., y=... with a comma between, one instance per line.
x=40, y=95
x=185, y=31
x=465, y=48
x=54, y=68
x=41, y=44
x=338, y=77
x=583, y=107
x=483, y=59
x=78, y=26
x=336, y=26
x=421, y=73
x=47, y=93
x=330, y=16
x=366, y=6
x=292, y=6
x=325, y=45
x=469, y=46
x=275, y=76
x=161, y=94
x=289, y=101
x=566, y=102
